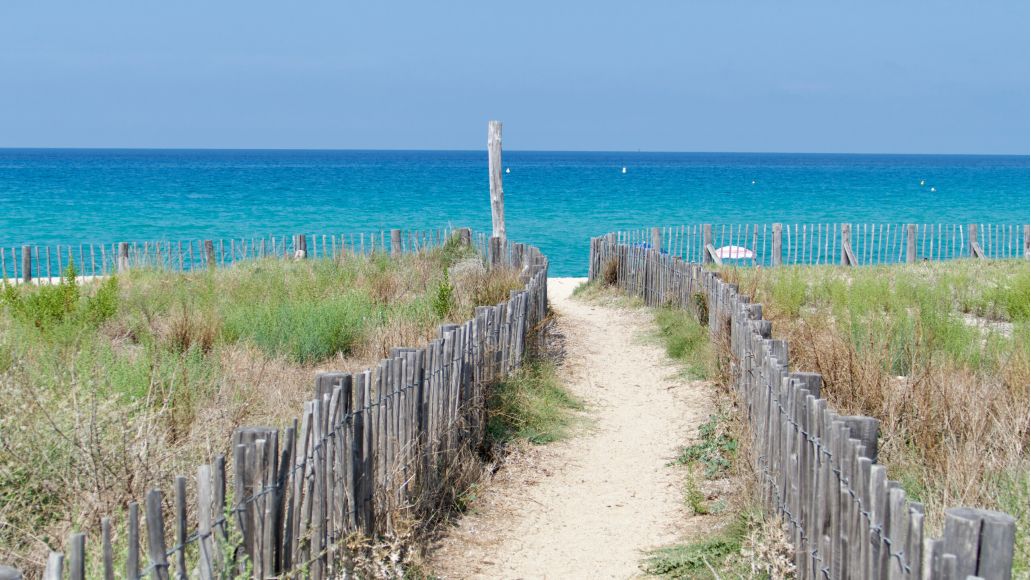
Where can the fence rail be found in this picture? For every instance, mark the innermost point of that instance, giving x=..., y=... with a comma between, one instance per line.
x=818, y=469
x=879, y=243
x=42, y=262
x=368, y=449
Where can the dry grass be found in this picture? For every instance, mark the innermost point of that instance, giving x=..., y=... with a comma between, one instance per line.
x=896, y=343
x=95, y=409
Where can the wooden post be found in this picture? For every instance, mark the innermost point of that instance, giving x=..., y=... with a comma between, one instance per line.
x=123, y=257
x=107, y=552
x=209, y=253
x=846, y=238
x=465, y=236
x=156, y=535
x=26, y=264
x=300, y=246
x=496, y=251
x=975, y=248
x=910, y=243
x=497, y=194
x=656, y=239
x=706, y=242
x=848, y=258
x=9, y=573
x=712, y=256
x=77, y=557
x=777, y=250
x=132, y=558
x=395, y=242
x=1027, y=241
x=55, y=566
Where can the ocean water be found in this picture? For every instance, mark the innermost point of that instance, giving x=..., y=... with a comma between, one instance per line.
x=555, y=200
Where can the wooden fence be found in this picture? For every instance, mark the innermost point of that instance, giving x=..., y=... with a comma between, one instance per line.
x=368, y=450
x=818, y=469
x=846, y=244
x=43, y=263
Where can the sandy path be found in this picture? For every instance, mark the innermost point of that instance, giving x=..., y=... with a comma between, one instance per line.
x=589, y=506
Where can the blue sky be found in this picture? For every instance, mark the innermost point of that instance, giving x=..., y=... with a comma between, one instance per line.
x=916, y=76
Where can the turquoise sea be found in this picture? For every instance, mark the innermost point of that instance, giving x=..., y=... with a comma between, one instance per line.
x=556, y=200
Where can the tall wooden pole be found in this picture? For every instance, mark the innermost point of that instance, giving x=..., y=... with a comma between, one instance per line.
x=497, y=194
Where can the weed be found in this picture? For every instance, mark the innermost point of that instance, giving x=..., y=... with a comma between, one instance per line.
x=531, y=405
x=686, y=340
x=715, y=450
x=444, y=299
x=698, y=558
x=694, y=496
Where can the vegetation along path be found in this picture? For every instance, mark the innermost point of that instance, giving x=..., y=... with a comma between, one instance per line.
x=591, y=505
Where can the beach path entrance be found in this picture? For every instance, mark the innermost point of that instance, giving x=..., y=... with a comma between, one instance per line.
x=593, y=504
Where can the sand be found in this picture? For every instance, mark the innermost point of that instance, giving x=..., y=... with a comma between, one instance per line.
x=589, y=506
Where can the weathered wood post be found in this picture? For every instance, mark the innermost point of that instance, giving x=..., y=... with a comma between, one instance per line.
x=777, y=250
x=55, y=566
x=26, y=264
x=981, y=540
x=123, y=257
x=9, y=573
x=1027, y=241
x=975, y=248
x=209, y=253
x=465, y=236
x=848, y=258
x=77, y=556
x=300, y=246
x=156, y=535
x=706, y=242
x=395, y=242
x=910, y=243
x=496, y=251
x=497, y=194
x=656, y=239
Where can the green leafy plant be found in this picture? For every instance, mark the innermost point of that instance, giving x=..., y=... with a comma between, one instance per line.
x=715, y=449
x=444, y=298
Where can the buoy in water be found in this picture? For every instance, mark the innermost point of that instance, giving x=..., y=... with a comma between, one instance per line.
x=921, y=182
x=624, y=169
x=933, y=189
x=508, y=170
x=753, y=182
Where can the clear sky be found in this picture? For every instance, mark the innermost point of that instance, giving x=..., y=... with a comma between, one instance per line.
x=910, y=76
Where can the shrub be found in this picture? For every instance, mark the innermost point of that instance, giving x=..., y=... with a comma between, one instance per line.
x=610, y=272
x=104, y=303
x=305, y=330
x=444, y=299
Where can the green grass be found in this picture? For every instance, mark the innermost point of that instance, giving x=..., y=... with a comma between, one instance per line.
x=307, y=330
x=531, y=405
x=686, y=341
x=109, y=387
x=711, y=552
x=908, y=305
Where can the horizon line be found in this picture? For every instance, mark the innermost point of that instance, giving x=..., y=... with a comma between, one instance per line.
x=457, y=150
